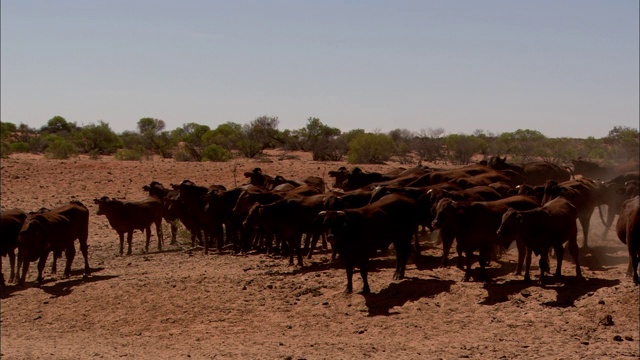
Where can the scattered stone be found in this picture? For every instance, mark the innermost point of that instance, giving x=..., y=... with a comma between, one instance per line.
x=628, y=338
x=584, y=342
x=601, y=302
x=617, y=338
x=607, y=321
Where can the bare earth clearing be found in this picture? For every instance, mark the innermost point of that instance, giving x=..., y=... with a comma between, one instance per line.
x=184, y=304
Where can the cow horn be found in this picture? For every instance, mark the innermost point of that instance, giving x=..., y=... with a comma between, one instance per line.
x=341, y=213
x=322, y=213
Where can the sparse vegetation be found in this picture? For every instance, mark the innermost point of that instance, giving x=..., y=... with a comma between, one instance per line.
x=196, y=142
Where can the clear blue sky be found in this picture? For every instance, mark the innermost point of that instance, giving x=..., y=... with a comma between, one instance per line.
x=562, y=67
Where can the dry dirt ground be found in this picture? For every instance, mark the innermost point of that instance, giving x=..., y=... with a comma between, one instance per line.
x=180, y=303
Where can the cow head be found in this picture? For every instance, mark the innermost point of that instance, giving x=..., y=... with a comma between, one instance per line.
x=446, y=212
x=334, y=223
x=102, y=204
x=341, y=175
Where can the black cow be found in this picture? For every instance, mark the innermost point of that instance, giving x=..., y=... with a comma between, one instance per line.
x=54, y=231
x=10, y=224
x=358, y=233
x=128, y=216
x=628, y=230
x=541, y=229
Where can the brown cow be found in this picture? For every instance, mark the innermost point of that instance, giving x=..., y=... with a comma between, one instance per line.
x=128, y=216
x=474, y=226
x=358, y=233
x=166, y=195
x=54, y=231
x=10, y=224
x=583, y=195
x=628, y=230
x=603, y=172
x=540, y=229
x=535, y=172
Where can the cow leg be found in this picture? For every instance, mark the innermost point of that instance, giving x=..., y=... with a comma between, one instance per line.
x=559, y=255
x=129, y=240
x=12, y=263
x=84, y=249
x=522, y=249
x=364, y=271
x=297, y=244
x=573, y=250
x=41, y=263
x=147, y=232
x=467, y=271
x=159, y=233
x=460, y=261
x=314, y=243
x=349, y=269
x=416, y=243
x=527, y=266
x=121, y=235
x=483, y=259
x=611, y=214
x=402, y=257
x=70, y=254
x=174, y=232
x=584, y=222
x=447, y=240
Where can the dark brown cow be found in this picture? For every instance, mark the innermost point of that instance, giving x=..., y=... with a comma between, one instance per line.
x=288, y=219
x=191, y=203
x=535, y=172
x=358, y=233
x=613, y=193
x=219, y=208
x=628, y=231
x=166, y=195
x=128, y=216
x=583, y=195
x=602, y=172
x=541, y=229
x=10, y=224
x=356, y=178
x=440, y=176
x=54, y=231
x=474, y=226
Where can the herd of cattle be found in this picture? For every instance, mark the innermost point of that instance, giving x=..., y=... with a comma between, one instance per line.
x=484, y=207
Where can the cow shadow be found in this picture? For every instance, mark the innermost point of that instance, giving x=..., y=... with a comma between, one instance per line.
x=600, y=258
x=568, y=289
x=399, y=293
x=60, y=287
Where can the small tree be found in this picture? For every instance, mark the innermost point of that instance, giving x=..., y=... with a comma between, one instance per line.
x=97, y=139
x=461, y=147
x=625, y=143
x=428, y=144
x=216, y=153
x=154, y=139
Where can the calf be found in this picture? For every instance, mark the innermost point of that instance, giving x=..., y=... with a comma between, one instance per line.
x=358, y=233
x=128, y=216
x=54, y=231
x=628, y=230
x=10, y=224
x=474, y=226
x=540, y=229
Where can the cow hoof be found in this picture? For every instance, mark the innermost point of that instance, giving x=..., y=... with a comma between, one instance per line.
x=348, y=291
x=365, y=291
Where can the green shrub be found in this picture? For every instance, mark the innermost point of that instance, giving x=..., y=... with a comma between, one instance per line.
x=216, y=153
x=370, y=148
x=128, y=155
x=5, y=151
x=20, y=147
x=60, y=149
